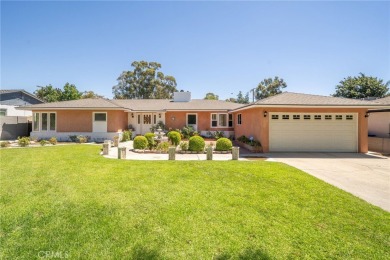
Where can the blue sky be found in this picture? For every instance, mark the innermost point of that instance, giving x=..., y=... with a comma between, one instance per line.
x=219, y=47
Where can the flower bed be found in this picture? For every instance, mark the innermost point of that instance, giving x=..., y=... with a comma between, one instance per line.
x=249, y=144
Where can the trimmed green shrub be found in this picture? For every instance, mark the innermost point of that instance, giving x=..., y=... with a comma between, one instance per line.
x=43, y=142
x=5, y=144
x=151, y=141
x=53, y=140
x=140, y=142
x=184, y=146
x=23, y=141
x=196, y=143
x=174, y=137
x=73, y=138
x=163, y=147
x=126, y=135
x=224, y=144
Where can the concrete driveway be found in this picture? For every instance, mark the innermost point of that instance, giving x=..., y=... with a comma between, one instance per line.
x=364, y=175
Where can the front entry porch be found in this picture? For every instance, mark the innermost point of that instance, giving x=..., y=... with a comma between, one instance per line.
x=141, y=122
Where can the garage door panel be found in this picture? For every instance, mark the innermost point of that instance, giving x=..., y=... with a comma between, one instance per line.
x=313, y=135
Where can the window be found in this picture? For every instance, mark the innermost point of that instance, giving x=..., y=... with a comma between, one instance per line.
x=52, y=121
x=239, y=118
x=328, y=117
x=139, y=119
x=339, y=117
x=102, y=117
x=154, y=119
x=296, y=117
x=3, y=112
x=275, y=116
x=349, y=117
x=285, y=116
x=306, y=117
x=230, y=120
x=147, y=119
x=222, y=120
x=36, y=122
x=317, y=117
x=214, y=121
x=44, y=122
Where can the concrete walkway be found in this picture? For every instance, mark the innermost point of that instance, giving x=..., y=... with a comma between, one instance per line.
x=366, y=176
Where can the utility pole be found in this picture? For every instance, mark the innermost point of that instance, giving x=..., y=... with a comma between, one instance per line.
x=253, y=95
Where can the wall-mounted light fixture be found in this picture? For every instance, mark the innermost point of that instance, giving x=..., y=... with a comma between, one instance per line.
x=367, y=114
x=173, y=118
x=265, y=113
x=132, y=115
x=159, y=115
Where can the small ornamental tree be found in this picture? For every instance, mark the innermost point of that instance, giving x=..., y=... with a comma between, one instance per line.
x=150, y=138
x=174, y=137
x=196, y=143
x=140, y=142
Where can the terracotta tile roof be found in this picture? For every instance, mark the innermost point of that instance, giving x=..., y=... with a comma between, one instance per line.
x=289, y=98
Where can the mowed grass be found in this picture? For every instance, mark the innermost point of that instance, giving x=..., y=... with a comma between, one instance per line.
x=70, y=199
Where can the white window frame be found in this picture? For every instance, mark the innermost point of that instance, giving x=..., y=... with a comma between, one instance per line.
x=4, y=110
x=40, y=121
x=218, y=124
x=93, y=116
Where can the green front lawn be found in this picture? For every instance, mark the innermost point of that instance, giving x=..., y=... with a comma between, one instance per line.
x=70, y=200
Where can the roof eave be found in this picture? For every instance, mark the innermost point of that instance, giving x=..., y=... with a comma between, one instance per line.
x=310, y=106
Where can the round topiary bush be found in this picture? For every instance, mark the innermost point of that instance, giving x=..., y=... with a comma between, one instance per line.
x=174, y=137
x=224, y=144
x=150, y=138
x=196, y=143
x=140, y=142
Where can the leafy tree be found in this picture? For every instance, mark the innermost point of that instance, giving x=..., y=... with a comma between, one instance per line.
x=362, y=87
x=143, y=82
x=241, y=99
x=269, y=87
x=233, y=100
x=48, y=93
x=70, y=92
x=211, y=96
x=90, y=94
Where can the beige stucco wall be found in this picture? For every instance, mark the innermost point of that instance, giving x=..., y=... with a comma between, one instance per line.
x=379, y=124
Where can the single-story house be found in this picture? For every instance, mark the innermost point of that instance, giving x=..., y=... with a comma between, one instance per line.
x=285, y=122
x=379, y=119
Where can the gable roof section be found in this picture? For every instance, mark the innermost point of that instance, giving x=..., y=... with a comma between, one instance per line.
x=18, y=101
x=137, y=105
x=169, y=105
x=384, y=101
x=88, y=103
x=290, y=99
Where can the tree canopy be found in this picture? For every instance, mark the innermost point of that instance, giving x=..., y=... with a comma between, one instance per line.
x=269, y=87
x=143, y=82
x=242, y=99
x=69, y=92
x=362, y=86
x=211, y=96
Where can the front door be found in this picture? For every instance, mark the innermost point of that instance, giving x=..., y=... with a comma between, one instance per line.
x=192, y=121
x=146, y=123
x=99, y=122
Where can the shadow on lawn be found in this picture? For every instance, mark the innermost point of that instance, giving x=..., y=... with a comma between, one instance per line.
x=141, y=252
x=247, y=254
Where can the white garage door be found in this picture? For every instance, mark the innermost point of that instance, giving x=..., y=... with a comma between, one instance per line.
x=313, y=132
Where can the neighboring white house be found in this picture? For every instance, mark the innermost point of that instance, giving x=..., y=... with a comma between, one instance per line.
x=379, y=120
x=13, y=122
